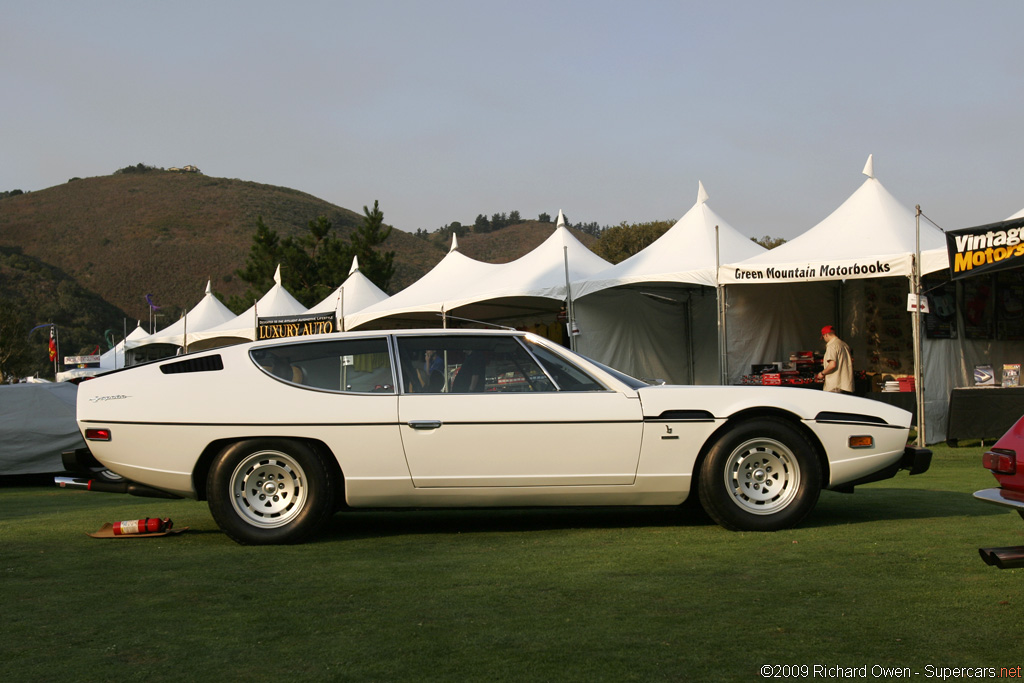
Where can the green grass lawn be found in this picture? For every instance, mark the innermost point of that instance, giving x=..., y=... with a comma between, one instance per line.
x=889, y=576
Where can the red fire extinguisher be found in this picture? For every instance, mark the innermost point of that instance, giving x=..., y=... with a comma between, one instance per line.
x=151, y=525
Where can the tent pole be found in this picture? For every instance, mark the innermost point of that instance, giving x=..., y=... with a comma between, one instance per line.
x=918, y=378
x=689, y=337
x=723, y=360
x=340, y=313
x=568, y=300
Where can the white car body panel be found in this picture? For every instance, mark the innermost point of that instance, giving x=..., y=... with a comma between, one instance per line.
x=621, y=446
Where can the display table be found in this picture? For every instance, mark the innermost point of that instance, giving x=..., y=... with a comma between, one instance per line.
x=983, y=412
x=901, y=399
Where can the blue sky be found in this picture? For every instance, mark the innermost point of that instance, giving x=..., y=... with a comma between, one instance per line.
x=610, y=111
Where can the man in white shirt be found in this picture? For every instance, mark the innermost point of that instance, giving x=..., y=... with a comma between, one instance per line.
x=837, y=373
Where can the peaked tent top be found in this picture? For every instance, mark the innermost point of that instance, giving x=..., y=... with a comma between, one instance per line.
x=686, y=253
x=871, y=234
x=459, y=280
x=354, y=294
x=277, y=301
x=209, y=312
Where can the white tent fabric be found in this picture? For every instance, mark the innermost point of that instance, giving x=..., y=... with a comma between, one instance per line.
x=114, y=358
x=447, y=280
x=654, y=315
x=459, y=281
x=277, y=301
x=688, y=252
x=355, y=294
x=208, y=313
x=870, y=235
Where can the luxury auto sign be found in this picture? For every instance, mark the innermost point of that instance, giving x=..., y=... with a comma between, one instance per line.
x=986, y=248
x=294, y=325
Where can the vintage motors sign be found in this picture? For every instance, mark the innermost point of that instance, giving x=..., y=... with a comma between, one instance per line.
x=294, y=325
x=986, y=248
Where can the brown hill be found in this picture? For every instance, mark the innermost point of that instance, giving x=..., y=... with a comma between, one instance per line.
x=127, y=235
x=165, y=234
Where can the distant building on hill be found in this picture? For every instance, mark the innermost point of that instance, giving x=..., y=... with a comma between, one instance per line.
x=185, y=169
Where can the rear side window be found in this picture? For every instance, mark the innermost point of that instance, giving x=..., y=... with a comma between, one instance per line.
x=354, y=365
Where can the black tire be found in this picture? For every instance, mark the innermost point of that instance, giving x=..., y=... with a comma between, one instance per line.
x=760, y=475
x=270, y=491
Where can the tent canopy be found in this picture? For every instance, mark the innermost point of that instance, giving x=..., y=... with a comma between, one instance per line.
x=276, y=302
x=355, y=294
x=209, y=312
x=870, y=235
x=654, y=315
x=689, y=252
x=494, y=291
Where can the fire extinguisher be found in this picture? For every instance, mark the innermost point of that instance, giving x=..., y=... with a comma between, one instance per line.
x=151, y=525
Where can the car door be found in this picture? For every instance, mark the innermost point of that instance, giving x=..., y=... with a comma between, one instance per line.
x=499, y=419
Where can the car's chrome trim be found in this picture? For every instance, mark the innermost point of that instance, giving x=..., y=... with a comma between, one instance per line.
x=146, y=423
x=1004, y=497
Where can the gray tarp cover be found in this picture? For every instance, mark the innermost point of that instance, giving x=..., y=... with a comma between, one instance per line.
x=37, y=422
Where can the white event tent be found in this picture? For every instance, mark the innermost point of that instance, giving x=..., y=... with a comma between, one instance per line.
x=854, y=269
x=654, y=314
x=208, y=313
x=531, y=286
x=355, y=294
x=276, y=302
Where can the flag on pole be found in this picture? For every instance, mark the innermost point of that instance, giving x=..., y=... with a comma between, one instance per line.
x=53, y=344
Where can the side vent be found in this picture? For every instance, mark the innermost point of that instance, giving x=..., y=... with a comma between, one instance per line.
x=846, y=418
x=684, y=416
x=202, y=364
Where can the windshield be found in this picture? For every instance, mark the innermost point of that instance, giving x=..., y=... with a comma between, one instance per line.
x=631, y=382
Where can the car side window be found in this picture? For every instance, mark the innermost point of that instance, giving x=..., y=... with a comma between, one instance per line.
x=566, y=375
x=354, y=365
x=462, y=364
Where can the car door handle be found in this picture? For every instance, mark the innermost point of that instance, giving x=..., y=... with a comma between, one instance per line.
x=424, y=424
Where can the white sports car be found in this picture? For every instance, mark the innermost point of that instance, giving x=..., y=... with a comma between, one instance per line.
x=279, y=435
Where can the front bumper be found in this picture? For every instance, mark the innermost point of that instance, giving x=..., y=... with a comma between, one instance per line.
x=1004, y=497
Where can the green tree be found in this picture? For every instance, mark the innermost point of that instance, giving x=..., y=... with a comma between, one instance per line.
x=311, y=265
x=377, y=265
x=768, y=242
x=619, y=242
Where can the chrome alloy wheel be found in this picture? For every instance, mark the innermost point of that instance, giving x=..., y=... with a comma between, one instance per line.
x=268, y=489
x=762, y=475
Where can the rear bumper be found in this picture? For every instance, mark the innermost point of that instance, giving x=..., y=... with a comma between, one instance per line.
x=80, y=461
x=997, y=496
x=917, y=460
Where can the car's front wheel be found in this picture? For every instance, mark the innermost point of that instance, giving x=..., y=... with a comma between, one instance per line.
x=761, y=475
x=270, y=491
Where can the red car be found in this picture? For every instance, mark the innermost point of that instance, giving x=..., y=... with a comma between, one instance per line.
x=1006, y=461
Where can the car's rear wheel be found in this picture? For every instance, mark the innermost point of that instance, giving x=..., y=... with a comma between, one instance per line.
x=270, y=491
x=761, y=475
